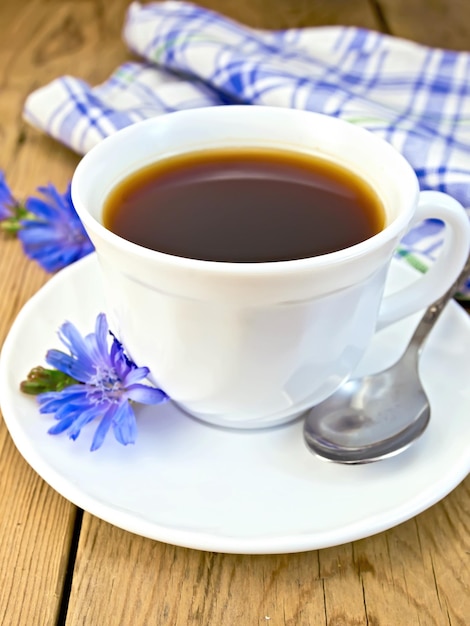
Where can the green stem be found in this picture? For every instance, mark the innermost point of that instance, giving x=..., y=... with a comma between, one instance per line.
x=40, y=380
x=11, y=225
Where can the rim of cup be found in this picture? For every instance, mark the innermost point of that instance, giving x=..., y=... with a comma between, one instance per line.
x=115, y=142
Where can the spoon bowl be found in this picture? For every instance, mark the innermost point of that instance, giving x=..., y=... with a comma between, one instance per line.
x=356, y=426
x=379, y=415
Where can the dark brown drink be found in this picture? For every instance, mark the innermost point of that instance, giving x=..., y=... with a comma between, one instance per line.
x=244, y=205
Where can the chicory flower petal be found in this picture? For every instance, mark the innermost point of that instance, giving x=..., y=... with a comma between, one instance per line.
x=53, y=234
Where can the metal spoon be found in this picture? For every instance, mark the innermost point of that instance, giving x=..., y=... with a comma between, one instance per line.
x=380, y=415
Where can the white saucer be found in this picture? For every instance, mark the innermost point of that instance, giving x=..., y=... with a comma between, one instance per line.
x=202, y=487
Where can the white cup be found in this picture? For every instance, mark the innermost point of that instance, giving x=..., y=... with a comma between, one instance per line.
x=251, y=345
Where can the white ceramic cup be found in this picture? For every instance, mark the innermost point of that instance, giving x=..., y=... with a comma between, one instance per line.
x=251, y=345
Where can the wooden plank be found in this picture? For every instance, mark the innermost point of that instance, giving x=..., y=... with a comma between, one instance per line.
x=169, y=586
x=405, y=574
x=437, y=23
x=295, y=13
x=39, y=41
x=414, y=574
x=35, y=533
x=35, y=522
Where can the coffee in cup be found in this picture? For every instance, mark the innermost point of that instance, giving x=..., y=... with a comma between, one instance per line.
x=244, y=205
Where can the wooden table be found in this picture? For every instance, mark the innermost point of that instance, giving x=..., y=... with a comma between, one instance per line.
x=62, y=566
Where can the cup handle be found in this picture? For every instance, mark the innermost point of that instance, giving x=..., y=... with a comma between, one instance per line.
x=424, y=291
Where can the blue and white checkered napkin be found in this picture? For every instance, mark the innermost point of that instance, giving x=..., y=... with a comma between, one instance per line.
x=415, y=97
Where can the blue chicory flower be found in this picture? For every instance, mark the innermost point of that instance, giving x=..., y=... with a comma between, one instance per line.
x=107, y=385
x=53, y=235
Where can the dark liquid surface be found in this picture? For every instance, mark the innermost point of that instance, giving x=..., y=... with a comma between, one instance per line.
x=244, y=205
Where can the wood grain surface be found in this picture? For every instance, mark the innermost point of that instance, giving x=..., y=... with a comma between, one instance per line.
x=58, y=566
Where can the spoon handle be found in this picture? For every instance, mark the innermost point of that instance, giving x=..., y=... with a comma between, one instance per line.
x=433, y=312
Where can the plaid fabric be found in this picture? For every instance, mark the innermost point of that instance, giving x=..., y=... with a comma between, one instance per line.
x=415, y=97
